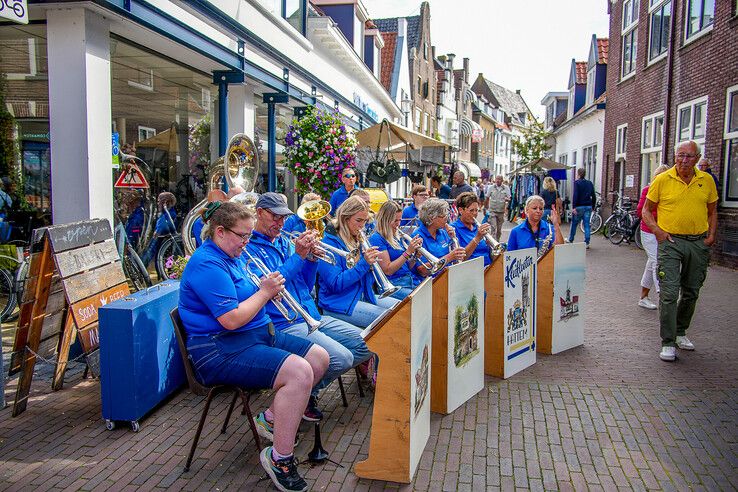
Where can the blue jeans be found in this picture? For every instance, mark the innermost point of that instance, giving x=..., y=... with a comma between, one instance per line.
x=407, y=282
x=585, y=214
x=364, y=313
x=340, y=339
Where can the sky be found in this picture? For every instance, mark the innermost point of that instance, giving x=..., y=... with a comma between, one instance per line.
x=519, y=44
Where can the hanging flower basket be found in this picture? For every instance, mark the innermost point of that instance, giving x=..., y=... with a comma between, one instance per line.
x=317, y=147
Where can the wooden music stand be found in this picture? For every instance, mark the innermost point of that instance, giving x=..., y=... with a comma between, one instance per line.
x=401, y=417
x=454, y=382
x=494, y=318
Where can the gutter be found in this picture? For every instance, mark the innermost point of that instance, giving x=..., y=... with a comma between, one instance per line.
x=669, y=79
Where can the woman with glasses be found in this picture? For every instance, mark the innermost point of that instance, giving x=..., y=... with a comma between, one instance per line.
x=347, y=293
x=348, y=182
x=534, y=232
x=435, y=232
x=397, y=258
x=420, y=195
x=231, y=340
x=471, y=236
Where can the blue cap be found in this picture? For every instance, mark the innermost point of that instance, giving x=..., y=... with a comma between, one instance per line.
x=274, y=203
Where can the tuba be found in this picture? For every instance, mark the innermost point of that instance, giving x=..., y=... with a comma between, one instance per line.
x=239, y=166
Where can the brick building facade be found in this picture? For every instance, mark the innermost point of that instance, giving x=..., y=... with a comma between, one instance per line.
x=673, y=77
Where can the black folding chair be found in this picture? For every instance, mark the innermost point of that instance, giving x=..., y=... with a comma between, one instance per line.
x=210, y=391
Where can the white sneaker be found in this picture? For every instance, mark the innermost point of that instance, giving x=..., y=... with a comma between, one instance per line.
x=668, y=354
x=684, y=343
x=647, y=303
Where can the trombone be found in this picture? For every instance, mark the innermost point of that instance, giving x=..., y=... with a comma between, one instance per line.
x=386, y=288
x=312, y=323
x=328, y=253
x=431, y=263
x=495, y=247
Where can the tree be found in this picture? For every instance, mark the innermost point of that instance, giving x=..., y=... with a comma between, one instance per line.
x=8, y=149
x=533, y=144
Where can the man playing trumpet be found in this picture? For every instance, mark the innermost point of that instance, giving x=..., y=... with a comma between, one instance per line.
x=340, y=339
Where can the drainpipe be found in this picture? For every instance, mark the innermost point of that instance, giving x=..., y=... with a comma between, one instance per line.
x=669, y=79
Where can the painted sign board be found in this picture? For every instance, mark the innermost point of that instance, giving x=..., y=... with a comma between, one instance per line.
x=519, y=325
x=14, y=10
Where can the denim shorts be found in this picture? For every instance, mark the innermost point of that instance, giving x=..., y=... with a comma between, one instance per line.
x=249, y=359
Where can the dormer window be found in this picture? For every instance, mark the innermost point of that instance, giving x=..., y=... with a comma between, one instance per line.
x=570, y=109
x=591, y=76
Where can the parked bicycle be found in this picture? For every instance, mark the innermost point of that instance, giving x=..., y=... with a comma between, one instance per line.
x=133, y=267
x=624, y=223
x=12, y=283
x=171, y=248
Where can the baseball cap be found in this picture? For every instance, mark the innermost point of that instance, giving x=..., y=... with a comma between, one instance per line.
x=274, y=203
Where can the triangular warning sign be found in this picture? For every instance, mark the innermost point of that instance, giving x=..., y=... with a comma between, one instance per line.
x=131, y=177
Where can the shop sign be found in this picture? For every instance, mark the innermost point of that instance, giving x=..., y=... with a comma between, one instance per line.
x=15, y=10
x=630, y=181
x=364, y=106
x=476, y=135
x=35, y=136
x=116, y=148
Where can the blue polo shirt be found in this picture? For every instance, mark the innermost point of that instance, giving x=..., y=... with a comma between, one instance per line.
x=340, y=287
x=338, y=197
x=299, y=274
x=522, y=237
x=408, y=214
x=438, y=247
x=382, y=244
x=293, y=223
x=465, y=236
x=213, y=284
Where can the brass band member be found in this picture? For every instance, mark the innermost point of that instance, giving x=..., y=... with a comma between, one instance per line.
x=533, y=232
x=347, y=293
x=471, y=236
x=397, y=258
x=231, y=339
x=433, y=228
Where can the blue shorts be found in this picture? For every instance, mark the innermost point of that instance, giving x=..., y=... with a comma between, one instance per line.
x=249, y=359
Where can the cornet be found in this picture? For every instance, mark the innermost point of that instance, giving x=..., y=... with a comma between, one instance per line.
x=431, y=263
x=495, y=248
x=386, y=288
x=312, y=323
x=327, y=252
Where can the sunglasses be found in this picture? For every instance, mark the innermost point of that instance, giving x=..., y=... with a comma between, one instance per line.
x=349, y=175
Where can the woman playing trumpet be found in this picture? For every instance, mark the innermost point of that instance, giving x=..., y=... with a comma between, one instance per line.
x=396, y=257
x=434, y=230
x=346, y=293
x=470, y=235
x=231, y=339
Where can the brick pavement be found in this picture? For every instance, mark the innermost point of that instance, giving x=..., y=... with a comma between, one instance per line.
x=606, y=415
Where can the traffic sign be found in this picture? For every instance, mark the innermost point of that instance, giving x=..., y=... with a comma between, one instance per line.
x=131, y=177
x=15, y=10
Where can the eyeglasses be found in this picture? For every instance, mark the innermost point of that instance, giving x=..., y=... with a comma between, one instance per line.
x=682, y=155
x=349, y=176
x=276, y=217
x=244, y=237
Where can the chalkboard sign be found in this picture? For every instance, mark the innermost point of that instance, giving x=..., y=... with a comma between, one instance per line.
x=75, y=268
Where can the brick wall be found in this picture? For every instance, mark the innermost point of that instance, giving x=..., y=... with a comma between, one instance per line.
x=703, y=67
x=423, y=67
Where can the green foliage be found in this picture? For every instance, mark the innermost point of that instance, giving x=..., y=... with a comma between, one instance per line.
x=532, y=145
x=473, y=308
x=8, y=150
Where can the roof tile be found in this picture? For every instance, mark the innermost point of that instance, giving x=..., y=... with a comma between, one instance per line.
x=581, y=72
x=603, y=46
x=388, y=59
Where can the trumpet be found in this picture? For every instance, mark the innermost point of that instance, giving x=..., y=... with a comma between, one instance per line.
x=454, y=242
x=495, y=247
x=312, y=323
x=386, y=288
x=327, y=252
x=431, y=263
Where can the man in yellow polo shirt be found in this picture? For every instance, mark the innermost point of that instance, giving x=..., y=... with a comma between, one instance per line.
x=686, y=200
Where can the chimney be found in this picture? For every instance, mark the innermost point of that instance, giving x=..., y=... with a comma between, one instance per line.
x=401, y=27
x=433, y=52
x=450, y=59
x=517, y=91
x=466, y=70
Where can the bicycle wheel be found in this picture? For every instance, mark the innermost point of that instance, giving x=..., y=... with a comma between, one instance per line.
x=173, y=248
x=7, y=296
x=135, y=270
x=608, y=225
x=595, y=223
x=637, y=238
x=617, y=231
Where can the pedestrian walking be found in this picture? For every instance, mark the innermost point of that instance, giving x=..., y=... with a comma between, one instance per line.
x=460, y=185
x=650, y=279
x=582, y=200
x=685, y=229
x=498, y=196
x=440, y=190
x=550, y=197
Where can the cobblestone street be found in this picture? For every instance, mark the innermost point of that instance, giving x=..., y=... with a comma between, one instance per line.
x=606, y=415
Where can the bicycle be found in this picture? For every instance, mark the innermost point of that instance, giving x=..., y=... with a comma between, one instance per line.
x=595, y=220
x=133, y=267
x=12, y=284
x=623, y=224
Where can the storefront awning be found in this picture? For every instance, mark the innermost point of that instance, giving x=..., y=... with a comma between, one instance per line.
x=394, y=136
x=470, y=169
x=467, y=126
x=540, y=164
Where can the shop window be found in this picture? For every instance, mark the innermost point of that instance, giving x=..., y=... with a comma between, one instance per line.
x=692, y=120
x=700, y=17
x=660, y=20
x=629, y=35
x=731, y=147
